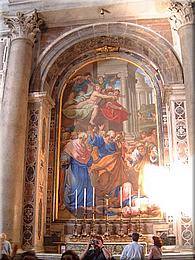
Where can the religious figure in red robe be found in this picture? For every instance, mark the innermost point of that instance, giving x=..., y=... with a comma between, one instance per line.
x=112, y=110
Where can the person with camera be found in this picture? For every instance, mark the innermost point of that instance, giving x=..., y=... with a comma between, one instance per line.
x=95, y=250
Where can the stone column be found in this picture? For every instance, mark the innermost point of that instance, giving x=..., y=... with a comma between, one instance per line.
x=179, y=158
x=182, y=20
x=133, y=123
x=124, y=100
x=23, y=30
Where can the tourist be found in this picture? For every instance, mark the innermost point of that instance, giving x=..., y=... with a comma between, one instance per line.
x=133, y=251
x=29, y=255
x=69, y=255
x=95, y=250
x=5, y=245
x=155, y=251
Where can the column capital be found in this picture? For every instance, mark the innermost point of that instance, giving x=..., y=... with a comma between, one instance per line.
x=173, y=92
x=181, y=13
x=41, y=97
x=24, y=25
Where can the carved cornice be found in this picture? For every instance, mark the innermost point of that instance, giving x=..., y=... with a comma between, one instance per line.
x=24, y=25
x=173, y=92
x=38, y=97
x=181, y=14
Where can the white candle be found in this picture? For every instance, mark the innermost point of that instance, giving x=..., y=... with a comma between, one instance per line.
x=130, y=196
x=139, y=201
x=84, y=197
x=121, y=196
x=107, y=202
x=93, y=197
x=76, y=199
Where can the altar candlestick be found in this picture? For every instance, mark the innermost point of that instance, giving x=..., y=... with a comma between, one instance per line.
x=93, y=203
x=121, y=197
x=130, y=197
x=76, y=199
x=85, y=195
x=139, y=201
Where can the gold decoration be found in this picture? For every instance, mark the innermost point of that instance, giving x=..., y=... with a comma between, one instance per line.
x=107, y=49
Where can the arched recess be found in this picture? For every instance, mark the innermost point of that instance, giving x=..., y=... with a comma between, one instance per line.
x=130, y=42
x=133, y=43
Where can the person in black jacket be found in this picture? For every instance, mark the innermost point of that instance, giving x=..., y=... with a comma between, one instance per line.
x=95, y=250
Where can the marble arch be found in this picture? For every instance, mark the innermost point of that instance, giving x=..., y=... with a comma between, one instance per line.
x=142, y=45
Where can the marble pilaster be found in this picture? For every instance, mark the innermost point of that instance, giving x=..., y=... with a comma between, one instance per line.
x=177, y=123
x=183, y=21
x=23, y=29
x=179, y=153
x=36, y=166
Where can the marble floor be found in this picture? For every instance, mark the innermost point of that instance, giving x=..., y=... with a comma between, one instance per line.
x=168, y=256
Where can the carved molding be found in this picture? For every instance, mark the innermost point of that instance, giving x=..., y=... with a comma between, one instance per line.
x=181, y=14
x=41, y=97
x=180, y=134
x=166, y=96
x=186, y=230
x=173, y=92
x=4, y=49
x=106, y=49
x=24, y=25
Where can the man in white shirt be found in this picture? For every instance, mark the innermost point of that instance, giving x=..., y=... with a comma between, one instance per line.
x=133, y=251
x=5, y=245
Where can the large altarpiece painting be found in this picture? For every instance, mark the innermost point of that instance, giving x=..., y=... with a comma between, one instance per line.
x=108, y=134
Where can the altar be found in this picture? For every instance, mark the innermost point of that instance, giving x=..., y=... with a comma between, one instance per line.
x=114, y=243
x=115, y=248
